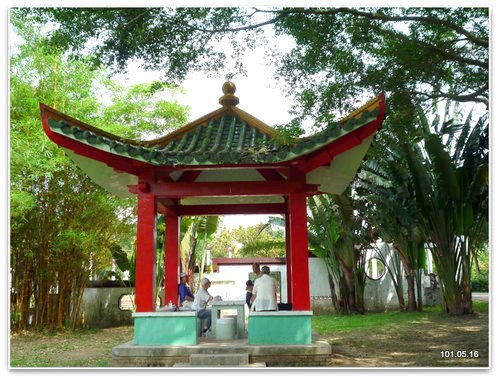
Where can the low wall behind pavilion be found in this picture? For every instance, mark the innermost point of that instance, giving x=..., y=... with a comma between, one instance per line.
x=106, y=305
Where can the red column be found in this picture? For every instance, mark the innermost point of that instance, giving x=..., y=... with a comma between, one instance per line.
x=289, y=260
x=145, y=261
x=171, y=257
x=297, y=202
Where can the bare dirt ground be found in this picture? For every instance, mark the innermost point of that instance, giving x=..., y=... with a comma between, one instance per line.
x=464, y=340
x=92, y=348
x=415, y=344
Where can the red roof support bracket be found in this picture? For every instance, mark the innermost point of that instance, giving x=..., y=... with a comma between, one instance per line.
x=271, y=174
x=189, y=176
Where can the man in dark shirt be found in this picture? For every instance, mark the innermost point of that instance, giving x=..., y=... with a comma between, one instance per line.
x=184, y=292
x=249, y=292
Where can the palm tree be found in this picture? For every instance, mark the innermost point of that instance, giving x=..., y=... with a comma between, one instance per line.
x=384, y=186
x=335, y=234
x=452, y=195
x=322, y=236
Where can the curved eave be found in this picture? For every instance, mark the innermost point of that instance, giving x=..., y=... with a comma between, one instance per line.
x=334, y=167
x=115, y=161
x=328, y=152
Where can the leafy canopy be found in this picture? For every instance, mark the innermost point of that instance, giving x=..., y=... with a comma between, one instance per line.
x=338, y=55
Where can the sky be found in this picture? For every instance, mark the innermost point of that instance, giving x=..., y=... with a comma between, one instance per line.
x=257, y=91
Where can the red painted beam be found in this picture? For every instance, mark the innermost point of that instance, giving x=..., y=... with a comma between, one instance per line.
x=237, y=209
x=289, y=259
x=218, y=189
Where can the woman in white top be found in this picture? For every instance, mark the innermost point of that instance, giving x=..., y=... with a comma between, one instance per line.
x=265, y=292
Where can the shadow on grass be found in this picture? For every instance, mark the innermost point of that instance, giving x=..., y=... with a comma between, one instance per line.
x=398, y=339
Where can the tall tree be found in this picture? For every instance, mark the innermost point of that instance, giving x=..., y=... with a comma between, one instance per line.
x=261, y=240
x=452, y=194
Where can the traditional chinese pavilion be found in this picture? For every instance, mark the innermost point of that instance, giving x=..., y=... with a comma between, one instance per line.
x=226, y=162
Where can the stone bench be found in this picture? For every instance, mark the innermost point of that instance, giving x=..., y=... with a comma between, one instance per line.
x=280, y=327
x=165, y=328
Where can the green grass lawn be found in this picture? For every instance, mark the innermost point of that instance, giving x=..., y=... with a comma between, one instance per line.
x=325, y=324
x=92, y=348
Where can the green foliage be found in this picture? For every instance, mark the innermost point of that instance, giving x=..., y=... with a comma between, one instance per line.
x=160, y=37
x=389, y=206
x=261, y=240
x=455, y=210
x=336, y=235
x=436, y=170
x=132, y=109
x=338, y=54
x=288, y=134
x=195, y=234
x=60, y=220
x=480, y=271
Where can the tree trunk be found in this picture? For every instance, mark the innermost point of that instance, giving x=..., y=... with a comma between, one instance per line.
x=411, y=295
x=410, y=276
x=332, y=288
x=419, y=290
x=466, y=279
x=400, y=297
x=350, y=287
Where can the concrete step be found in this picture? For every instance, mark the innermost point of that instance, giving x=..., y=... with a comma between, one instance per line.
x=252, y=365
x=211, y=360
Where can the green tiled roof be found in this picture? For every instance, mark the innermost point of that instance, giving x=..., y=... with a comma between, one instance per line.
x=226, y=139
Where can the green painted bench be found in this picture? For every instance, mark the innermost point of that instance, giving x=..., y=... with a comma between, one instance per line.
x=165, y=328
x=280, y=327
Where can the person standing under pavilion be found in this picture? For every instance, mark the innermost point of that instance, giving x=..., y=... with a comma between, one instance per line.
x=264, y=292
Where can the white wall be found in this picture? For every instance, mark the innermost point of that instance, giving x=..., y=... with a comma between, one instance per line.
x=378, y=294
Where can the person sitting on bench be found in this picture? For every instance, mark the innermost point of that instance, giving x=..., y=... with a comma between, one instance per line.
x=200, y=302
x=184, y=293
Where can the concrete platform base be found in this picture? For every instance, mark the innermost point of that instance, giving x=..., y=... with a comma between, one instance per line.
x=213, y=353
x=252, y=365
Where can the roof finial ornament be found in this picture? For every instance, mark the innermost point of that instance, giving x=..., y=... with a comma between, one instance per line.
x=228, y=99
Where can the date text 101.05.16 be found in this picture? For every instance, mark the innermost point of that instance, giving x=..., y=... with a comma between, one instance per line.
x=459, y=354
